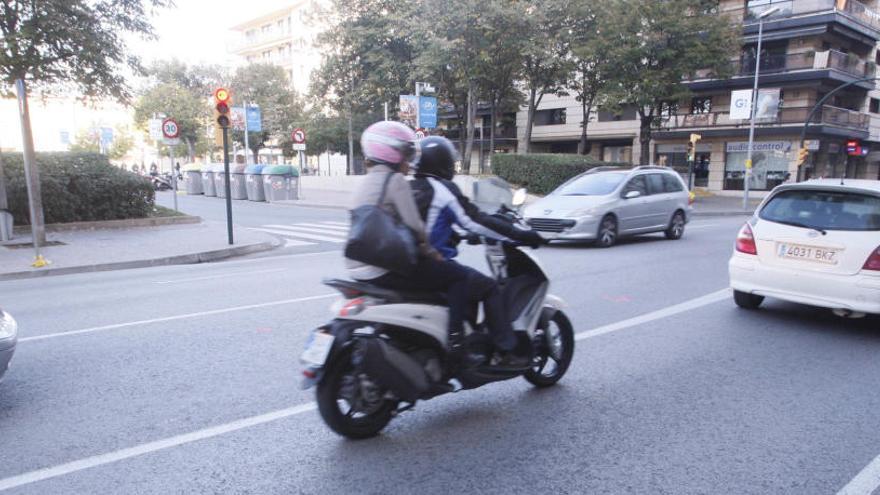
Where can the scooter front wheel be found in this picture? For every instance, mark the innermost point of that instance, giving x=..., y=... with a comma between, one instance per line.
x=351, y=403
x=554, y=351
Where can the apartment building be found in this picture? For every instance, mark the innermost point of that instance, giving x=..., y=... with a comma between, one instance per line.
x=284, y=37
x=809, y=48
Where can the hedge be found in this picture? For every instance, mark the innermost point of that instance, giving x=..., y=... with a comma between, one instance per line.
x=78, y=187
x=541, y=173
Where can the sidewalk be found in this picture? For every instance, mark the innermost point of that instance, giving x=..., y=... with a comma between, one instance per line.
x=123, y=248
x=714, y=206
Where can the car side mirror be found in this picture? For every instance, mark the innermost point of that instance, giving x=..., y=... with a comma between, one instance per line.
x=632, y=194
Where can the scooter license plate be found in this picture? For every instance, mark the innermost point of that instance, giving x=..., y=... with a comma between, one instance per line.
x=317, y=349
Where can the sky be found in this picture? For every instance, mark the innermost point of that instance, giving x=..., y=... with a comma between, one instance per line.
x=198, y=30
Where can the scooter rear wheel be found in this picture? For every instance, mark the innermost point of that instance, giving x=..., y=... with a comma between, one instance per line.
x=346, y=406
x=555, y=354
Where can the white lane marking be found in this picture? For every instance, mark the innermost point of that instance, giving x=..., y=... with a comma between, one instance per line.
x=222, y=275
x=149, y=447
x=298, y=234
x=702, y=226
x=323, y=226
x=866, y=482
x=173, y=318
x=698, y=302
x=342, y=224
x=313, y=230
x=295, y=243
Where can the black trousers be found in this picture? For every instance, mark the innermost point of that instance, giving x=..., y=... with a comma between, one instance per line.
x=463, y=286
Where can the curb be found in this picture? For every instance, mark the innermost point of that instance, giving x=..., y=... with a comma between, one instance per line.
x=181, y=259
x=114, y=224
x=721, y=213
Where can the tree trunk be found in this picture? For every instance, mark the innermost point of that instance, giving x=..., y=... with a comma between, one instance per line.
x=350, y=163
x=32, y=175
x=491, y=135
x=190, y=150
x=530, y=120
x=645, y=139
x=256, y=152
x=471, y=116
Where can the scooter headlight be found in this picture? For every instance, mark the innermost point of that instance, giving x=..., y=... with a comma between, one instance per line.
x=8, y=326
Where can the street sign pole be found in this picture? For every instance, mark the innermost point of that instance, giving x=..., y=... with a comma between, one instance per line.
x=31, y=175
x=247, y=148
x=228, y=188
x=173, y=176
x=302, y=159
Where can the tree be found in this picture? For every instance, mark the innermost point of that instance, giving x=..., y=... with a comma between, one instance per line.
x=268, y=87
x=75, y=44
x=654, y=46
x=88, y=140
x=545, y=61
x=589, y=64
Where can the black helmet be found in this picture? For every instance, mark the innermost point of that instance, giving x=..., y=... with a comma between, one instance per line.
x=438, y=157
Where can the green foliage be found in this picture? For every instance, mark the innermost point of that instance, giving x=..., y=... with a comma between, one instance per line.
x=88, y=140
x=268, y=87
x=78, y=187
x=64, y=43
x=541, y=173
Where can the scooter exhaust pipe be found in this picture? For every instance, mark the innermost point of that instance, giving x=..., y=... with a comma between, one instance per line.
x=393, y=369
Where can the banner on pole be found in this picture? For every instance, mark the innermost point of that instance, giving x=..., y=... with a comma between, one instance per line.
x=427, y=112
x=409, y=105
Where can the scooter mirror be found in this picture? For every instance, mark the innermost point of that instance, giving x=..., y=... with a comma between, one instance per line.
x=519, y=197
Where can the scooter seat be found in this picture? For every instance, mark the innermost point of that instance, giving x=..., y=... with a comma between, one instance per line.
x=353, y=288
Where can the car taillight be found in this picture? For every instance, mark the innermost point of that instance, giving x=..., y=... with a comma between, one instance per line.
x=745, y=240
x=873, y=262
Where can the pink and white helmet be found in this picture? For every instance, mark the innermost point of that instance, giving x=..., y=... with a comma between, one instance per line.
x=389, y=143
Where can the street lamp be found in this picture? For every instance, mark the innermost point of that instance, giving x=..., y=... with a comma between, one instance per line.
x=754, y=102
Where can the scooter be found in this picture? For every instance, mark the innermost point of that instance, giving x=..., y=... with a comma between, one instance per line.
x=386, y=350
x=161, y=182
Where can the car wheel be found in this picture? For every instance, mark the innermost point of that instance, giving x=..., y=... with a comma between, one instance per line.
x=676, y=226
x=607, y=235
x=746, y=300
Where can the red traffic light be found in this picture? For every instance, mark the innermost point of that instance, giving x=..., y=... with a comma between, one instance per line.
x=222, y=108
x=221, y=95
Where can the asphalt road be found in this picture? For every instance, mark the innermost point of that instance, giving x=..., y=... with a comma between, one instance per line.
x=185, y=379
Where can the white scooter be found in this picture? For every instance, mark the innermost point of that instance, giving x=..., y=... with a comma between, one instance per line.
x=386, y=349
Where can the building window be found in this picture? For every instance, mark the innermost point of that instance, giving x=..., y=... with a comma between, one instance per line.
x=770, y=161
x=627, y=113
x=553, y=116
x=756, y=7
x=668, y=110
x=701, y=104
x=618, y=154
x=874, y=106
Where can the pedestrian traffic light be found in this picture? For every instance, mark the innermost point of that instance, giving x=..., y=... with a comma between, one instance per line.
x=222, y=101
x=803, y=154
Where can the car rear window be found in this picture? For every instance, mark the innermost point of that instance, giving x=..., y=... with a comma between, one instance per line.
x=826, y=210
x=672, y=184
x=598, y=184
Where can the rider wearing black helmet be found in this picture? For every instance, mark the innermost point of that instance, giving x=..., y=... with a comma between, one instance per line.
x=442, y=205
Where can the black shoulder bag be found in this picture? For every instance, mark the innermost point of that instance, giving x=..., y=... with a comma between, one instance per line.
x=379, y=238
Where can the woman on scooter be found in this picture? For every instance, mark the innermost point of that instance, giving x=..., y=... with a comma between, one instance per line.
x=388, y=148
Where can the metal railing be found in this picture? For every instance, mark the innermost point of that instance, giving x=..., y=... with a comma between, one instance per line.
x=500, y=133
x=788, y=62
x=828, y=115
x=795, y=8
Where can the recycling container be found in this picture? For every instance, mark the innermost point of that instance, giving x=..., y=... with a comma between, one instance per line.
x=254, y=182
x=279, y=182
x=209, y=188
x=238, y=186
x=220, y=179
x=193, y=176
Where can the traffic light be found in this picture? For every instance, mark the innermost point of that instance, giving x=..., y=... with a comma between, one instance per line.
x=222, y=101
x=692, y=147
x=803, y=154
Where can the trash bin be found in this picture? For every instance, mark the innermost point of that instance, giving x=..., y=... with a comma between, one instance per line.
x=220, y=179
x=237, y=181
x=279, y=182
x=254, y=179
x=193, y=178
x=208, y=185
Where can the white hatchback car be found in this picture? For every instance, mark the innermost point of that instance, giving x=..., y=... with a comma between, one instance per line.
x=814, y=243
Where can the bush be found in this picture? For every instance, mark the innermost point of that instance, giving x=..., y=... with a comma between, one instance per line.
x=541, y=173
x=78, y=187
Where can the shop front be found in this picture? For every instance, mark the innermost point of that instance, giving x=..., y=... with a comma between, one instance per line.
x=675, y=156
x=770, y=164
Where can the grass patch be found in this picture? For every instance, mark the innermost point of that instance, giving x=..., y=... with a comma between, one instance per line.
x=161, y=211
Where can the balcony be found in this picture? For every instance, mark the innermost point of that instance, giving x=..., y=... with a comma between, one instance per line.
x=501, y=133
x=831, y=119
x=852, y=13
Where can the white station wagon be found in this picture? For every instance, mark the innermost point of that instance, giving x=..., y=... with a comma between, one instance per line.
x=814, y=243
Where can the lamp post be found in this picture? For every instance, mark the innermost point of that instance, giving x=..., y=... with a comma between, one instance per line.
x=754, y=105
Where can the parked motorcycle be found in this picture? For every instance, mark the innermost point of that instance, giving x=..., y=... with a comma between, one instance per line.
x=161, y=182
x=387, y=349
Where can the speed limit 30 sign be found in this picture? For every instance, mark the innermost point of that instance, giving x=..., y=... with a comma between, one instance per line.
x=170, y=129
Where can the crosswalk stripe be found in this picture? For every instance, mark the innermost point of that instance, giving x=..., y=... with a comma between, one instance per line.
x=323, y=226
x=308, y=230
x=301, y=235
x=293, y=242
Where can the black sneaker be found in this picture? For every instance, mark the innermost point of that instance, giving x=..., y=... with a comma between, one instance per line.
x=509, y=361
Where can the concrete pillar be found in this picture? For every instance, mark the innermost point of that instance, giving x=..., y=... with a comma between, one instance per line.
x=716, y=166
